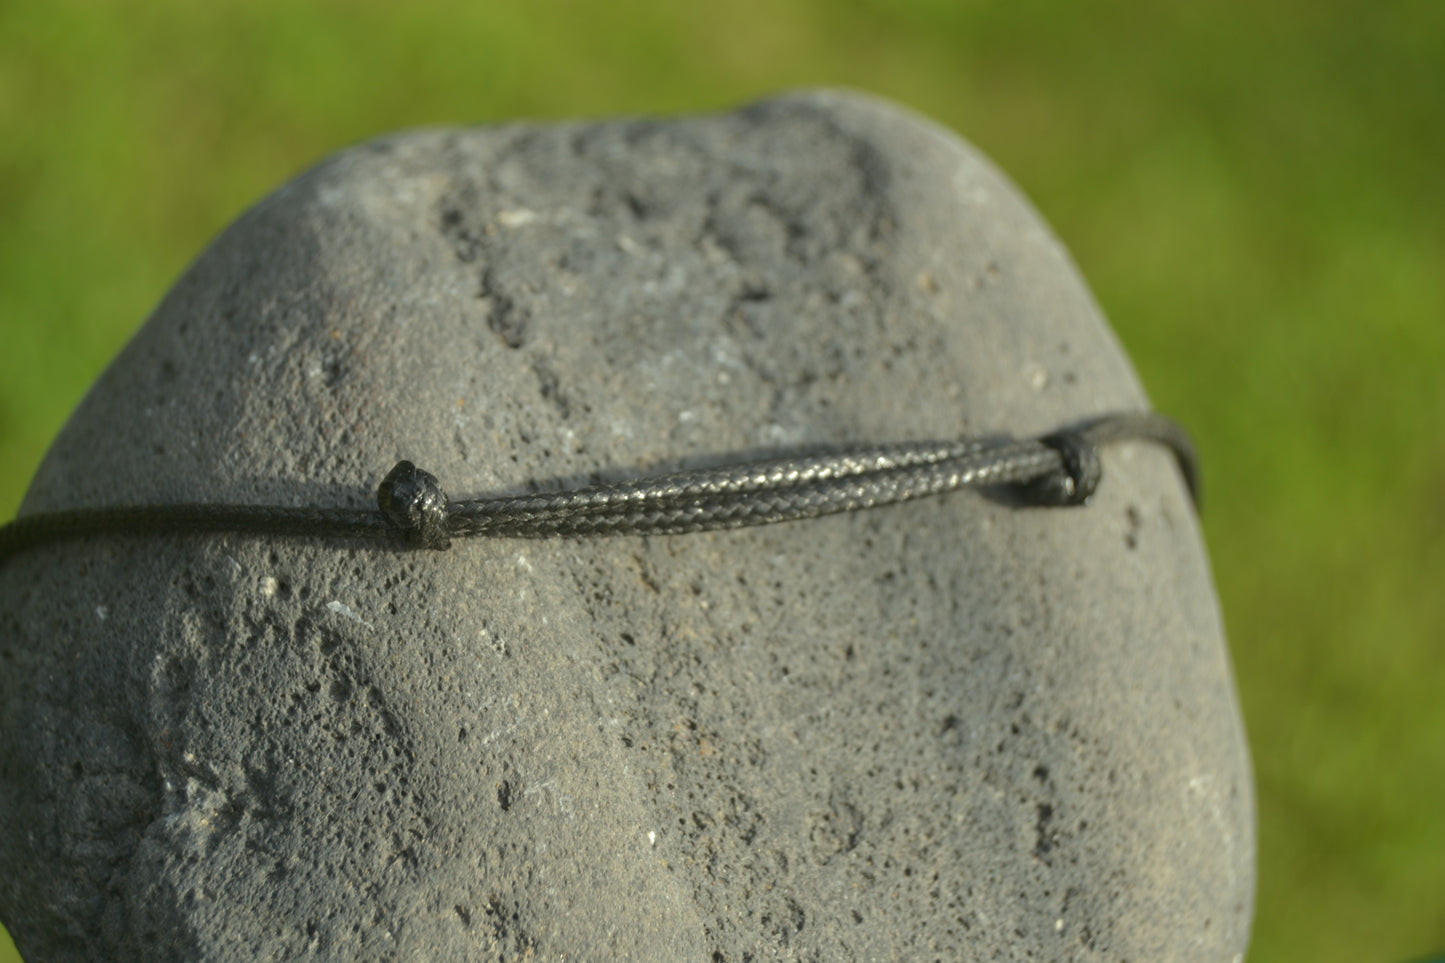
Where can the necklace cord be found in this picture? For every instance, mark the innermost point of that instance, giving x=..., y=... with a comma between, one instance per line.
x=1059, y=469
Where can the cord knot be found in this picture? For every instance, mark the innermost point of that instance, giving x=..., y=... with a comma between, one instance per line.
x=413, y=501
x=1077, y=477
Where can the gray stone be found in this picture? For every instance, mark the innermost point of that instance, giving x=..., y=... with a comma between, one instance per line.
x=952, y=729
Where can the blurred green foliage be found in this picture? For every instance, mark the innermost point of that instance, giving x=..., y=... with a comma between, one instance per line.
x=1252, y=188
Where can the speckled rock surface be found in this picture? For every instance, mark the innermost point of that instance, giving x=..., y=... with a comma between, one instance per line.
x=953, y=729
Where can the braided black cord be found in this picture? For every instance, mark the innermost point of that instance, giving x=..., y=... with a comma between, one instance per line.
x=1058, y=469
x=757, y=494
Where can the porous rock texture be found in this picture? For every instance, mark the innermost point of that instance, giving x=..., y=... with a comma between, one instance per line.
x=955, y=729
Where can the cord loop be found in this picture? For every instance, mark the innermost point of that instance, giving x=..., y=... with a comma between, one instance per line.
x=1062, y=468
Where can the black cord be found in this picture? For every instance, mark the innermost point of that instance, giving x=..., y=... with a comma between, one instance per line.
x=1062, y=468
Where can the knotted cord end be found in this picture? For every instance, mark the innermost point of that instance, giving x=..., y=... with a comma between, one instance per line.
x=413, y=501
x=1076, y=479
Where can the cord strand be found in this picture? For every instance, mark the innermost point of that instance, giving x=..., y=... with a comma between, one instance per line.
x=1062, y=468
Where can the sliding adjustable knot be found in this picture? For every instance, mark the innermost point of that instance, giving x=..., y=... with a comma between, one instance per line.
x=413, y=501
x=1076, y=478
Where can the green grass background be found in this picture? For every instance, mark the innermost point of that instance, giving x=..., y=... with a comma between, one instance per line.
x=1253, y=189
